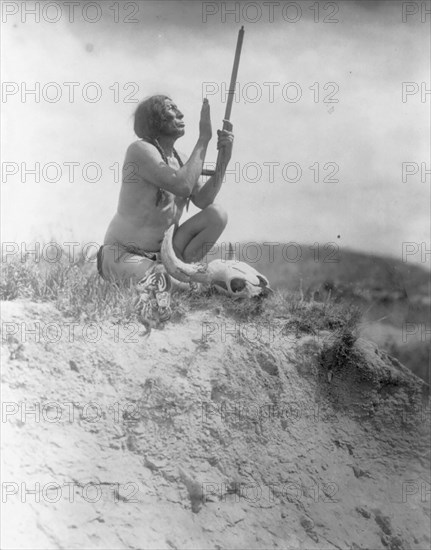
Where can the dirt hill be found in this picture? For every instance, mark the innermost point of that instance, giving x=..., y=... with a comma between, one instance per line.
x=207, y=434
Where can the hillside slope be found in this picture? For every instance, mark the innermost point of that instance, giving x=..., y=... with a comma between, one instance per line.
x=208, y=436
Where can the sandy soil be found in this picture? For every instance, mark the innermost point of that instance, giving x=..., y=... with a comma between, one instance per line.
x=229, y=441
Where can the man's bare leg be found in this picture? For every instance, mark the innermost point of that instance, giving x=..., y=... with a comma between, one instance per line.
x=194, y=238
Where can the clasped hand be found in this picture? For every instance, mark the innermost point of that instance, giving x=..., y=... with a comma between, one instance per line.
x=225, y=136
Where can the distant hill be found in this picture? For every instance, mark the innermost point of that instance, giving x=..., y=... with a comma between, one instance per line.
x=287, y=264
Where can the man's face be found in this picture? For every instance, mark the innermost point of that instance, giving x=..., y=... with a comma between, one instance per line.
x=172, y=124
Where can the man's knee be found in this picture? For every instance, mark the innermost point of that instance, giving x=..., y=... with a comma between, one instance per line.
x=217, y=215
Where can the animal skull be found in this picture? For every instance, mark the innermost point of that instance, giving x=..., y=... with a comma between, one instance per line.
x=229, y=277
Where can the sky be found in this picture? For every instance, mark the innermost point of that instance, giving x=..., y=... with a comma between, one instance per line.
x=320, y=85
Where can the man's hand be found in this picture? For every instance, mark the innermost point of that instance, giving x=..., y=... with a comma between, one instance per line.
x=225, y=142
x=205, y=130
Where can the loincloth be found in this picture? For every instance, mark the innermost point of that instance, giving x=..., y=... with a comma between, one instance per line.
x=119, y=262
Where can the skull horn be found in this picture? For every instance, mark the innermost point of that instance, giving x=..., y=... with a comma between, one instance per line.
x=177, y=268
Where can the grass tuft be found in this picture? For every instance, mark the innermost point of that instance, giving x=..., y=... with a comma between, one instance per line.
x=339, y=351
x=75, y=290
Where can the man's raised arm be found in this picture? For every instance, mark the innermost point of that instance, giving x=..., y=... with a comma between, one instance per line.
x=204, y=193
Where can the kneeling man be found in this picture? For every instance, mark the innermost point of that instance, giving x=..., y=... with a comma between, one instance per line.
x=157, y=182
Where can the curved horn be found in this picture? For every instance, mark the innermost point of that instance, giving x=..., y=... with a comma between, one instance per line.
x=176, y=267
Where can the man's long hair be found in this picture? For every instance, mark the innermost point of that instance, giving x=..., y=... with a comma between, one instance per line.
x=149, y=116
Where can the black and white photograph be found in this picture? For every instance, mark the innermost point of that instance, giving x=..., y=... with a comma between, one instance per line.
x=215, y=274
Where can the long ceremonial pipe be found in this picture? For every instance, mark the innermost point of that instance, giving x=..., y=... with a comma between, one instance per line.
x=230, y=96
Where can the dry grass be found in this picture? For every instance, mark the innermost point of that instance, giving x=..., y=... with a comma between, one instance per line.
x=79, y=293
x=73, y=287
